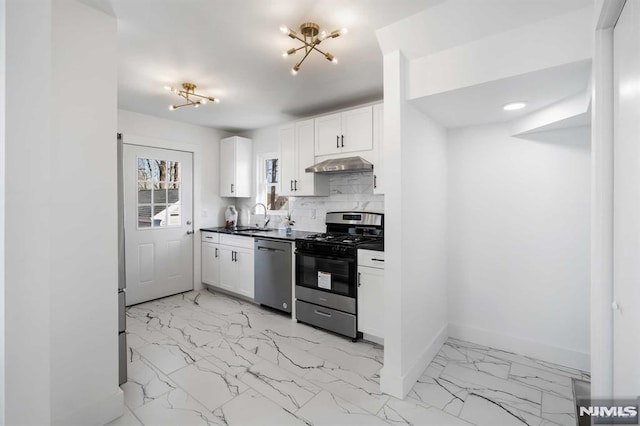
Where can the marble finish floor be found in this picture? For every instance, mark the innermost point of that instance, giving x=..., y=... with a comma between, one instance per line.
x=203, y=358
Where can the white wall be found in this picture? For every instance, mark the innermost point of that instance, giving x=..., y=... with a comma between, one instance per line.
x=556, y=41
x=82, y=217
x=519, y=241
x=2, y=178
x=28, y=164
x=415, y=235
x=60, y=291
x=204, y=142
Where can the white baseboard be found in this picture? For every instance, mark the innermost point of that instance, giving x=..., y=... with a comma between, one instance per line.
x=372, y=338
x=544, y=352
x=400, y=385
x=99, y=413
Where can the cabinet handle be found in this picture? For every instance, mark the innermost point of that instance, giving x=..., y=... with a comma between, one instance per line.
x=295, y=185
x=216, y=252
x=234, y=256
x=342, y=138
x=377, y=260
x=291, y=186
x=375, y=181
x=337, y=141
x=359, y=283
x=232, y=188
x=324, y=314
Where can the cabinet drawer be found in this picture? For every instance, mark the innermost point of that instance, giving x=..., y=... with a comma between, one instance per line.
x=210, y=237
x=236, y=241
x=329, y=319
x=371, y=258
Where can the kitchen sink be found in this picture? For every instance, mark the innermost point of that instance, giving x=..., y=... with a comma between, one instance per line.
x=253, y=230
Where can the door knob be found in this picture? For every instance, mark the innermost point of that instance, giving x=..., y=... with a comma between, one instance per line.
x=190, y=232
x=188, y=222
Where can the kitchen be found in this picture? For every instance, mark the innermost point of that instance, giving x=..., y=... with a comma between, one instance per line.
x=467, y=252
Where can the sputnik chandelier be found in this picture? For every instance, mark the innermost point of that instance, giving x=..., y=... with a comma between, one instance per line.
x=189, y=93
x=311, y=38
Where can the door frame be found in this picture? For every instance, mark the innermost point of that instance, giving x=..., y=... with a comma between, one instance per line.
x=131, y=139
x=602, y=186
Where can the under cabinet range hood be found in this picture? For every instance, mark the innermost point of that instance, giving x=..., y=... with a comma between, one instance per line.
x=337, y=165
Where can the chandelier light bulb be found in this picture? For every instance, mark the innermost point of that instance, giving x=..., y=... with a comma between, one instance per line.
x=343, y=31
x=334, y=60
x=294, y=71
x=322, y=35
x=172, y=107
x=169, y=88
x=203, y=101
x=216, y=100
x=196, y=104
x=284, y=29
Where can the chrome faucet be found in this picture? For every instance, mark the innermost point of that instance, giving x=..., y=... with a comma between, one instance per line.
x=266, y=216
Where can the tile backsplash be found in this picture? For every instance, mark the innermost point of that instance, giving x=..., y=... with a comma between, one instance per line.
x=348, y=191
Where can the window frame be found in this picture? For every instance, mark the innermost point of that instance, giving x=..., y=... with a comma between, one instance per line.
x=261, y=193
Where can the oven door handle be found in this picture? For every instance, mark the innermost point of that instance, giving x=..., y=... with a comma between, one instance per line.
x=318, y=256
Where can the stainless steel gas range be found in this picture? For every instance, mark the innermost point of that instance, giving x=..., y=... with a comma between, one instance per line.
x=326, y=271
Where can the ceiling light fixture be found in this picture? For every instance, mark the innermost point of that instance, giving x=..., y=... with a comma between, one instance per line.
x=514, y=106
x=188, y=93
x=311, y=38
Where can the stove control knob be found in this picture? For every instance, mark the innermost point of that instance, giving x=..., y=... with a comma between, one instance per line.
x=335, y=249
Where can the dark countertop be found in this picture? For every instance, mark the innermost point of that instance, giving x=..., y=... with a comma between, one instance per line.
x=372, y=245
x=273, y=234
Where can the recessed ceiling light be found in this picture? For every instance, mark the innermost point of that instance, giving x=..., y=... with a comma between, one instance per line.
x=514, y=106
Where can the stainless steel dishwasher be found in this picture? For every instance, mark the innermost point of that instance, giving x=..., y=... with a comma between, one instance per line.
x=273, y=274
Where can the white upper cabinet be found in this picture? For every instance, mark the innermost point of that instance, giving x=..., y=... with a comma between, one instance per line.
x=348, y=131
x=378, y=149
x=235, y=167
x=296, y=154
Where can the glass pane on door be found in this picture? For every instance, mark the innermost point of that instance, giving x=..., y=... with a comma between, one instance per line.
x=159, y=193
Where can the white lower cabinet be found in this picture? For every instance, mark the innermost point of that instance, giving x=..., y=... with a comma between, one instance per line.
x=210, y=258
x=211, y=263
x=371, y=293
x=236, y=270
x=229, y=264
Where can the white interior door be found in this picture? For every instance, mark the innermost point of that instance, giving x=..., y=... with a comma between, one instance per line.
x=626, y=229
x=158, y=203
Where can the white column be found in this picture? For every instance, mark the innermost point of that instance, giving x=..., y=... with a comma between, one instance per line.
x=28, y=187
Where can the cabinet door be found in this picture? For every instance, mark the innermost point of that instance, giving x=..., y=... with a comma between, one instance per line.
x=227, y=167
x=243, y=167
x=304, y=184
x=227, y=268
x=244, y=284
x=288, y=163
x=211, y=264
x=378, y=148
x=371, y=301
x=357, y=129
x=328, y=133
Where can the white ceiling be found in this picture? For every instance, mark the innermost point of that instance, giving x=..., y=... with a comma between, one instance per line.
x=456, y=22
x=483, y=103
x=232, y=50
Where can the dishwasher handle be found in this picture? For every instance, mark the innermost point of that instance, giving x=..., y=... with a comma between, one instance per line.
x=270, y=249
